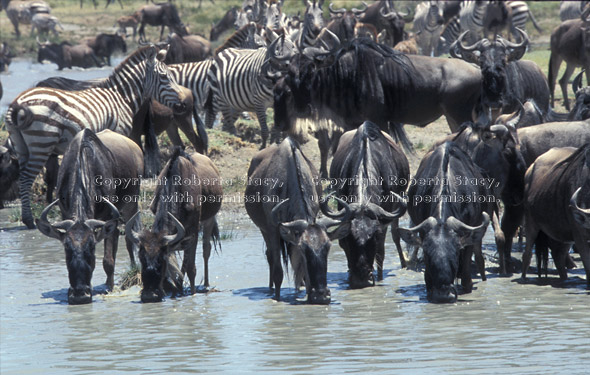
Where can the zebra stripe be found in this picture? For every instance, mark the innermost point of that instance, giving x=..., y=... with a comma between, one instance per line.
x=42, y=121
x=236, y=86
x=428, y=26
x=450, y=33
x=471, y=18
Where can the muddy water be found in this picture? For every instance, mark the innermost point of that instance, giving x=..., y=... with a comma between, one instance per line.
x=390, y=328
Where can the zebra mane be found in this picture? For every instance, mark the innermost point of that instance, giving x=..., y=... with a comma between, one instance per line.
x=135, y=58
x=240, y=39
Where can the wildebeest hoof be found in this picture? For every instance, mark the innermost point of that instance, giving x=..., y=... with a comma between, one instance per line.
x=321, y=297
x=151, y=296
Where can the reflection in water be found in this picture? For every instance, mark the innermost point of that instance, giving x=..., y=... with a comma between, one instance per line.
x=238, y=327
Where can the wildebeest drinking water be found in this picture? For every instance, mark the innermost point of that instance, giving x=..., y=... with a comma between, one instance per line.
x=91, y=205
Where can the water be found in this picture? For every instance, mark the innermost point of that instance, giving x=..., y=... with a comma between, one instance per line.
x=503, y=326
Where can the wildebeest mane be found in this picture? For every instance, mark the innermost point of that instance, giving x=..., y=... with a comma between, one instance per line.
x=167, y=188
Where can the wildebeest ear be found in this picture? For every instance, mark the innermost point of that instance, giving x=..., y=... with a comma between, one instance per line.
x=340, y=232
x=49, y=230
x=291, y=231
x=411, y=237
x=104, y=230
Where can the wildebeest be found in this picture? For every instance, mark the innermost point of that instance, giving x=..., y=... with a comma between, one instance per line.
x=343, y=22
x=66, y=55
x=5, y=56
x=368, y=166
x=91, y=205
x=506, y=79
x=557, y=190
x=128, y=21
x=8, y=174
x=384, y=16
x=451, y=219
x=104, y=45
x=44, y=23
x=161, y=14
x=289, y=227
x=23, y=12
x=370, y=81
x=225, y=23
x=581, y=110
x=188, y=197
x=187, y=48
x=570, y=42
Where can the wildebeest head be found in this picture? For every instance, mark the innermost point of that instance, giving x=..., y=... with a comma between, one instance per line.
x=5, y=56
x=442, y=242
x=493, y=58
x=52, y=52
x=309, y=244
x=160, y=84
x=344, y=21
x=155, y=247
x=391, y=21
x=226, y=22
x=79, y=238
x=527, y=114
x=581, y=110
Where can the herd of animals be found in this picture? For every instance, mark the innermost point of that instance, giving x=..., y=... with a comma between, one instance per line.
x=356, y=77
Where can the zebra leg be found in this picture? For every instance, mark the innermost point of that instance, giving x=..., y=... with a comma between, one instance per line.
x=261, y=115
x=230, y=117
x=28, y=174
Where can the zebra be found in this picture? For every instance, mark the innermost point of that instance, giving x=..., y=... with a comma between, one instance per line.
x=471, y=17
x=427, y=27
x=241, y=80
x=449, y=34
x=313, y=22
x=520, y=14
x=42, y=121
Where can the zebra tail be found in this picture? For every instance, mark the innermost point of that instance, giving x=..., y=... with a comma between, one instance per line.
x=534, y=21
x=19, y=116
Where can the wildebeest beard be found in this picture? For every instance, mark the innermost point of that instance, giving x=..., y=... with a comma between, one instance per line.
x=494, y=84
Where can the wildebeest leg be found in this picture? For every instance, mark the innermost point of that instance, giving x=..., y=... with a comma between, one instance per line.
x=554, y=64
x=186, y=125
x=172, y=132
x=261, y=116
x=396, y=239
x=188, y=261
x=210, y=231
x=110, y=254
x=202, y=138
x=479, y=261
x=500, y=241
x=583, y=249
x=531, y=233
x=465, y=268
x=50, y=178
x=563, y=82
x=542, y=254
x=380, y=253
x=132, y=247
x=162, y=32
x=511, y=220
x=559, y=251
x=273, y=256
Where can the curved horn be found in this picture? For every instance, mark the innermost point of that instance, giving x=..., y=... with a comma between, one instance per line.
x=46, y=210
x=274, y=214
x=389, y=15
x=384, y=215
x=342, y=215
x=585, y=16
x=172, y=239
x=518, y=49
x=574, y=203
x=577, y=83
x=463, y=47
x=500, y=130
x=130, y=234
x=459, y=226
x=358, y=12
x=336, y=12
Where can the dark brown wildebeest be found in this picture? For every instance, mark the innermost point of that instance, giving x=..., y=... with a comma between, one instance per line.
x=343, y=22
x=451, y=219
x=557, y=190
x=370, y=81
x=5, y=56
x=188, y=48
x=161, y=14
x=506, y=80
x=384, y=17
x=225, y=23
x=368, y=167
x=66, y=55
x=285, y=211
x=23, y=12
x=188, y=197
x=128, y=21
x=8, y=174
x=91, y=204
x=570, y=42
x=104, y=45
x=581, y=110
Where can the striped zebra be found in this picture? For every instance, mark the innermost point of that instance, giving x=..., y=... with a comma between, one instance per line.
x=241, y=80
x=520, y=14
x=449, y=34
x=313, y=23
x=571, y=10
x=471, y=17
x=428, y=24
x=42, y=121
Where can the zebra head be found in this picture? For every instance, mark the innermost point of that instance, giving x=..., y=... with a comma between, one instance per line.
x=160, y=85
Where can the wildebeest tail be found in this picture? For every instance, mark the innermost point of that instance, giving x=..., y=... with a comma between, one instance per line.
x=398, y=133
